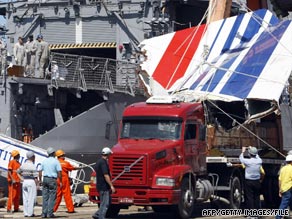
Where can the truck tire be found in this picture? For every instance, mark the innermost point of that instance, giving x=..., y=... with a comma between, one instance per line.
x=186, y=203
x=113, y=211
x=235, y=195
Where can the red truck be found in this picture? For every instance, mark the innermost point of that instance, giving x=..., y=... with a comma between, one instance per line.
x=163, y=159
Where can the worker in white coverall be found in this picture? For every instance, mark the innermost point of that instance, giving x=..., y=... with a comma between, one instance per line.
x=28, y=173
x=3, y=54
x=30, y=51
x=19, y=52
x=43, y=53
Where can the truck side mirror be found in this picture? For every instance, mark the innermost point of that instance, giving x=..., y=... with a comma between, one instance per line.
x=202, y=133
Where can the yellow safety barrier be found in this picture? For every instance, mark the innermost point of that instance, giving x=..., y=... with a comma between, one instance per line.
x=82, y=45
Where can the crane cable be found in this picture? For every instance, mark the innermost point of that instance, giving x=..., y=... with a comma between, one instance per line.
x=189, y=44
x=246, y=129
x=233, y=71
x=257, y=18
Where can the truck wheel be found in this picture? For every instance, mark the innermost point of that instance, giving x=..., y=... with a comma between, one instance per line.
x=113, y=211
x=235, y=196
x=186, y=202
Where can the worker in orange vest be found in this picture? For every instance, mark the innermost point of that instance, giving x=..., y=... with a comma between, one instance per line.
x=27, y=135
x=65, y=190
x=13, y=182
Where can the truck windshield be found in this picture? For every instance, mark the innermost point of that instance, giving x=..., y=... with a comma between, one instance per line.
x=151, y=129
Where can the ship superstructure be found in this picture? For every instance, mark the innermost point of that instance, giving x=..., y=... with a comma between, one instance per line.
x=94, y=45
x=101, y=28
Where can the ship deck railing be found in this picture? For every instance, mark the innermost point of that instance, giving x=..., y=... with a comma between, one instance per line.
x=94, y=73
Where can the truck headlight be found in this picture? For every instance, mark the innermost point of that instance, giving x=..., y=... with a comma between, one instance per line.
x=165, y=181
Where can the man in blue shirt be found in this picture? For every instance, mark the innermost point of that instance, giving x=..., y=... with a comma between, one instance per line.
x=51, y=170
x=252, y=177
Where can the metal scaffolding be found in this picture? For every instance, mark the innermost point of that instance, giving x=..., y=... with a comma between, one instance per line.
x=94, y=73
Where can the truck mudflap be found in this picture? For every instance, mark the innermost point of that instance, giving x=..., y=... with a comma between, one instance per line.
x=146, y=197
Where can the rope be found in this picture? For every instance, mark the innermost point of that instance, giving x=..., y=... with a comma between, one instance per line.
x=204, y=54
x=81, y=174
x=245, y=74
x=233, y=71
x=80, y=177
x=189, y=44
x=124, y=171
x=257, y=18
x=181, y=24
x=246, y=129
x=210, y=82
x=198, y=67
x=234, y=120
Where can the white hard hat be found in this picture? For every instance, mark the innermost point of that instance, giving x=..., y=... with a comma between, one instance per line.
x=252, y=150
x=290, y=152
x=289, y=157
x=29, y=154
x=50, y=150
x=106, y=151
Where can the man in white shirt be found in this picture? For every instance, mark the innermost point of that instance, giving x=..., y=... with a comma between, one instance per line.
x=19, y=52
x=43, y=53
x=30, y=51
x=29, y=174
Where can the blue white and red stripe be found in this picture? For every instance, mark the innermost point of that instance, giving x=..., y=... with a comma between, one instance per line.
x=243, y=57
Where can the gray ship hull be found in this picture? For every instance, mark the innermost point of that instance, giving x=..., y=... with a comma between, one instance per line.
x=83, y=136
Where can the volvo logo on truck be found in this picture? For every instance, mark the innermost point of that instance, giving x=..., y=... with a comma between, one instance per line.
x=127, y=169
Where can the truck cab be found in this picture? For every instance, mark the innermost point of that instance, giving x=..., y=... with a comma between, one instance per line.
x=160, y=158
x=168, y=159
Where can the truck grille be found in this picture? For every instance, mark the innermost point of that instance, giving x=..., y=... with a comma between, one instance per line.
x=125, y=172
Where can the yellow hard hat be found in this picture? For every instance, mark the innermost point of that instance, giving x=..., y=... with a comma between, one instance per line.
x=14, y=153
x=60, y=153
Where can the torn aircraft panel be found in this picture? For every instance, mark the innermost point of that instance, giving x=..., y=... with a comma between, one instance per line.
x=235, y=59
